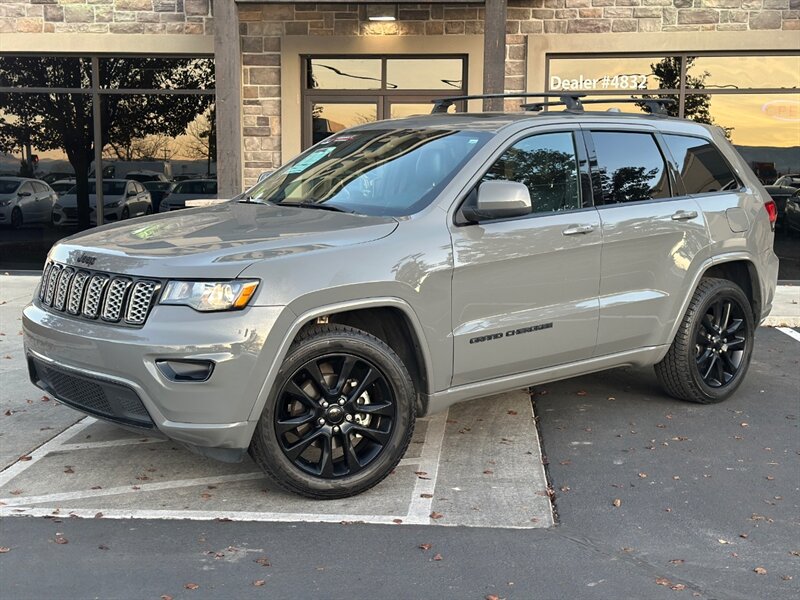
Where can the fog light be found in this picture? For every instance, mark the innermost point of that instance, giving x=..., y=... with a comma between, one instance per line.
x=186, y=370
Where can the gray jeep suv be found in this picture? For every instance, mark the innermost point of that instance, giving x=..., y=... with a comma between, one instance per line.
x=399, y=267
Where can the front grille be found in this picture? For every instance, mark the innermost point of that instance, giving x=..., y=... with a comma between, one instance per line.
x=99, y=397
x=70, y=211
x=93, y=295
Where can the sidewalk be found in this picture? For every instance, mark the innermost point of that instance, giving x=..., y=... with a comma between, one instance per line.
x=785, y=307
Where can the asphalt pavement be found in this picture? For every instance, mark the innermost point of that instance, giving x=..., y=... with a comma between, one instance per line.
x=708, y=507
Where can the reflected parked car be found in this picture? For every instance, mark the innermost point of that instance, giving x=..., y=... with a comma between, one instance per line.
x=193, y=189
x=792, y=214
x=158, y=189
x=145, y=176
x=780, y=193
x=62, y=186
x=791, y=180
x=123, y=199
x=24, y=201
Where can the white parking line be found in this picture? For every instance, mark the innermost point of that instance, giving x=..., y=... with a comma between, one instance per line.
x=790, y=332
x=419, y=510
x=51, y=445
x=128, y=489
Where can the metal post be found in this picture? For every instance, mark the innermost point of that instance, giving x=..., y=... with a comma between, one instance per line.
x=100, y=207
x=494, y=53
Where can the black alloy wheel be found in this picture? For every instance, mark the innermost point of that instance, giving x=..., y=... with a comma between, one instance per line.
x=711, y=351
x=126, y=213
x=339, y=416
x=721, y=342
x=335, y=415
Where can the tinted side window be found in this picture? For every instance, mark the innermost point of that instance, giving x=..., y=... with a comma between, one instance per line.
x=39, y=187
x=547, y=165
x=211, y=187
x=702, y=167
x=629, y=167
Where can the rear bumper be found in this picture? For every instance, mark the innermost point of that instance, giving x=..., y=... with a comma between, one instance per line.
x=110, y=372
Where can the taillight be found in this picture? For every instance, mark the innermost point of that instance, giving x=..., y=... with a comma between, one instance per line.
x=772, y=212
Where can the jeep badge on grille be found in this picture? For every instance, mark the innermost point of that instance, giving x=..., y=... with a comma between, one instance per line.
x=86, y=259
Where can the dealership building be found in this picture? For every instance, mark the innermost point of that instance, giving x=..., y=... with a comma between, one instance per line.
x=287, y=74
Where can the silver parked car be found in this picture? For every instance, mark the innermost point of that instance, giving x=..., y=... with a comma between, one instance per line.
x=123, y=199
x=399, y=267
x=192, y=189
x=24, y=201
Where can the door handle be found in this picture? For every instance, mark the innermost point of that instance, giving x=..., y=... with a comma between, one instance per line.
x=683, y=215
x=578, y=229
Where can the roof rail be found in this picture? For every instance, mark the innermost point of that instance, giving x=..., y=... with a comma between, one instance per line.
x=657, y=106
x=570, y=100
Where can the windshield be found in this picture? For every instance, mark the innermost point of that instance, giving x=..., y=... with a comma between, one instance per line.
x=7, y=186
x=373, y=172
x=110, y=188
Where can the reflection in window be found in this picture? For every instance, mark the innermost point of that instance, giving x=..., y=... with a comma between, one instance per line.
x=344, y=74
x=50, y=71
x=154, y=73
x=702, y=167
x=328, y=118
x=399, y=110
x=630, y=167
x=547, y=165
x=374, y=171
x=740, y=72
x=424, y=73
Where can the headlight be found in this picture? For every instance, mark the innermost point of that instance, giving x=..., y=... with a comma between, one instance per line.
x=209, y=295
x=114, y=204
x=5, y=202
x=57, y=205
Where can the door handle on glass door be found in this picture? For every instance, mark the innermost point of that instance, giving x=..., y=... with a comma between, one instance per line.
x=578, y=229
x=683, y=215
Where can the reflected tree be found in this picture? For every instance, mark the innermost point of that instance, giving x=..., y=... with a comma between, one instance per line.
x=64, y=121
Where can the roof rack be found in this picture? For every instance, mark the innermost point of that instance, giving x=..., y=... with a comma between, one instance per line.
x=657, y=106
x=571, y=101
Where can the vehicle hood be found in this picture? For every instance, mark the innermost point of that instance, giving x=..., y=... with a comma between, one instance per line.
x=216, y=241
x=71, y=200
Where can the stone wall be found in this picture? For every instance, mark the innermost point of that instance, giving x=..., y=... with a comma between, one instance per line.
x=262, y=27
x=107, y=16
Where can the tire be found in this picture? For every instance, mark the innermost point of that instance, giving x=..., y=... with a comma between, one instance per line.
x=148, y=210
x=362, y=422
x=709, y=357
x=125, y=214
x=16, y=218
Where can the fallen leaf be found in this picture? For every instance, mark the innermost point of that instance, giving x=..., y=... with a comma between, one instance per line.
x=492, y=597
x=721, y=541
x=512, y=412
x=8, y=413
x=4, y=549
x=488, y=472
x=425, y=547
x=580, y=393
x=421, y=473
x=626, y=549
x=205, y=495
x=104, y=547
x=437, y=557
x=191, y=586
x=16, y=492
x=565, y=462
x=165, y=597
x=677, y=561
x=45, y=399
x=263, y=561
x=643, y=475
x=678, y=587
x=26, y=457
x=663, y=581
x=745, y=424
x=426, y=495
x=770, y=477
x=60, y=539
x=397, y=521
x=259, y=582
x=786, y=577
x=760, y=570
x=69, y=470
x=565, y=488
x=436, y=515
x=792, y=552
x=743, y=536
x=617, y=502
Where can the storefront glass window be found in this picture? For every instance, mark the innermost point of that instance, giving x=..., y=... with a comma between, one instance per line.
x=741, y=72
x=344, y=74
x=424, y=74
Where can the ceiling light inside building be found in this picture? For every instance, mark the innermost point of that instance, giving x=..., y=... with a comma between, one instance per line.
x=381, y=12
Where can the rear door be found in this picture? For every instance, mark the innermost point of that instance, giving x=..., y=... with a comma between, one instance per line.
x=652, y=234
x=524, y=290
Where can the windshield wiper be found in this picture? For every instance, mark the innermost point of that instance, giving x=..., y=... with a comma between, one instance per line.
x=317, y=206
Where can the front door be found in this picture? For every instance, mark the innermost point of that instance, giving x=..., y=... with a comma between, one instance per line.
x=524, y=290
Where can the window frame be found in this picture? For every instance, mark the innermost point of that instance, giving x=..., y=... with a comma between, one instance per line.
x=585, y=194
x=676, y=167
x=676, y=188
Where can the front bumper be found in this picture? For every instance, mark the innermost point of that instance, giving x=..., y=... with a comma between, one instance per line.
x=209, y=414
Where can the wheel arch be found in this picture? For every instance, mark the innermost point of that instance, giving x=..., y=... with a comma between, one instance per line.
x=389, y=319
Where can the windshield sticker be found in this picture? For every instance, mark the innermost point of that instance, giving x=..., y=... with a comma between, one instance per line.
x=473, y=141
x=311, y=159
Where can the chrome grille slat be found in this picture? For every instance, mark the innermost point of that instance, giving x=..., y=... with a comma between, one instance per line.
x=115, y=296
x=63, y=286
x=88, y=294
x=94, y=295
x=139, y=301
x=76, y=292
x=52, y=279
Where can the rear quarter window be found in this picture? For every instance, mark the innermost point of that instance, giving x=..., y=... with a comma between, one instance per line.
x=702, y=167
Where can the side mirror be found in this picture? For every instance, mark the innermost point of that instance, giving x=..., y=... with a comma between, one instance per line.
x=132, y=193
x=24, y=194
x=500, y=200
